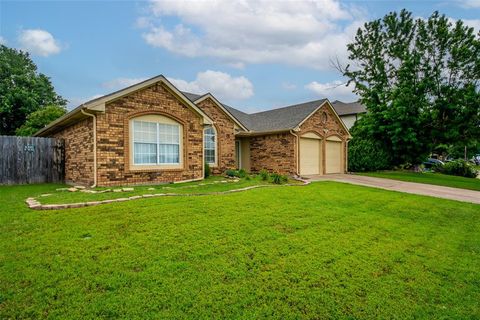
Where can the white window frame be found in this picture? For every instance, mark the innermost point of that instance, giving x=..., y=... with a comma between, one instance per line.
x=214, y=163
x=158, y=120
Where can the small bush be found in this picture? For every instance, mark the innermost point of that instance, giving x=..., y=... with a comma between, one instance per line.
x=236, y=173
x=263, y=175
x=278, y=178
x=459, y=168
x=241, y=173
x=231, y=173
x=207, y=170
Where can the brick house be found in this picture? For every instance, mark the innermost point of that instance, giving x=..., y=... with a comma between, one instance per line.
x=153, y=133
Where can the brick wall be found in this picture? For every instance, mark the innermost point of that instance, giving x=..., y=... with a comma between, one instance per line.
x=78, y=152
x=332, y=127
x=275, y=153
x=225, y=128
x=113, y=143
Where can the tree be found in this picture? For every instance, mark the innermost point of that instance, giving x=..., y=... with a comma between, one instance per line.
x=419, y=80
x=22, y=90
x=39, y=119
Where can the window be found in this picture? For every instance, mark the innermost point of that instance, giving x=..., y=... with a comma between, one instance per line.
x=324, y=117
x=210, y=145
x=156, y=142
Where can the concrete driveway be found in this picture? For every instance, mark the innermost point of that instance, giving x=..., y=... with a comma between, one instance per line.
x=402, y=186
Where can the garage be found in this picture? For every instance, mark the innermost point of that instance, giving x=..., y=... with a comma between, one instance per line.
x=310, y=154
x=333, y=155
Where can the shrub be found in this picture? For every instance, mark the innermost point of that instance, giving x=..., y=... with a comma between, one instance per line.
x=241, y=173
x=236, y=173
x=230, y=173
x=207, y=170
x=367, y=155
x=457, y=168
x=263, y=174
x=278, y=178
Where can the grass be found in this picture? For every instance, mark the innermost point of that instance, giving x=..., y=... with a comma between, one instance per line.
x=210, y=185
x=428, y=178
x=326, y=250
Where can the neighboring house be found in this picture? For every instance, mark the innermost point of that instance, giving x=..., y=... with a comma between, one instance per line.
x=349, y=112
x=153, y=133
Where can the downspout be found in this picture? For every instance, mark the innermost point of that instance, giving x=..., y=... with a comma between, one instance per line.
x=346, y=155
x=296, y=152
x=94, y=146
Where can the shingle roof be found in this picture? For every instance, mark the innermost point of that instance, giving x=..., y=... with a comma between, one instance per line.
x=283, y=118
x=344, y=109
x=191, y=96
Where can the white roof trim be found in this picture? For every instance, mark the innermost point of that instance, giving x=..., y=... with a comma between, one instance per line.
x=209, y=95
x=334, y=112
x=99, y=103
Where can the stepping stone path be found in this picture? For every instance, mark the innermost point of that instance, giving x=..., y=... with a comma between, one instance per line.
x=35, y=204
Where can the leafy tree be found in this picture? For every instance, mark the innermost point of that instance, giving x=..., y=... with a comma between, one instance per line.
x=364, y=152
x=23, y=90
x=39, y=119
x=419, y=80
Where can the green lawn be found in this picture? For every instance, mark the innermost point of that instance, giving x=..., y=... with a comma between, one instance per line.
x=210, y=185
x=326, y=250
x=429, y=178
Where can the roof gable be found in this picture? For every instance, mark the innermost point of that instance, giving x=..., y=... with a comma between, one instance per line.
x=198, y=99
x=332, y=109
x=98, y=104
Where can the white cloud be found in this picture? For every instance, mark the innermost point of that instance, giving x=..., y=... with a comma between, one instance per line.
x=2, y=40
x=474, y=23
x=38, y=42
x=469, y=3
x=335, y=90
x=249, y=31
x=76, y=101
x=222, y=85
x=120, y=83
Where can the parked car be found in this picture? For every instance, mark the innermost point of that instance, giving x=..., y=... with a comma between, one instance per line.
x=476, y=159
x=430, y=162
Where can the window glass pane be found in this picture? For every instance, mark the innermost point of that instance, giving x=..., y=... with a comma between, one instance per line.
x=144, y=132
x=210, y=156
x=169, y=133
x=209, y=145
x=169, y=153
x=148, y=143
x=145, y=153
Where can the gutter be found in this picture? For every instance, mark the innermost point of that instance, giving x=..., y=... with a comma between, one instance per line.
x=297, y=171
x=94, y=146
x=261, y=133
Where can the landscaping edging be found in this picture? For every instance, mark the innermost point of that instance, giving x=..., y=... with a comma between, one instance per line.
x=33, y=203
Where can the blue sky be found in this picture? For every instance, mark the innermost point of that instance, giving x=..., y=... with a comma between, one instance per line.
x=254, y=55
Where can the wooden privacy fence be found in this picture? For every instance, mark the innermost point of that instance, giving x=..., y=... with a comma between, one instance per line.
x=31, y=160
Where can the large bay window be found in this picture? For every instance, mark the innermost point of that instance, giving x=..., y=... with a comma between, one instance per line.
x=210, y=145
x=156, y=141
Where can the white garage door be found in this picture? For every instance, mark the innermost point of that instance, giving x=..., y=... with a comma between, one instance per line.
x=333, y=157
x=309, y=156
